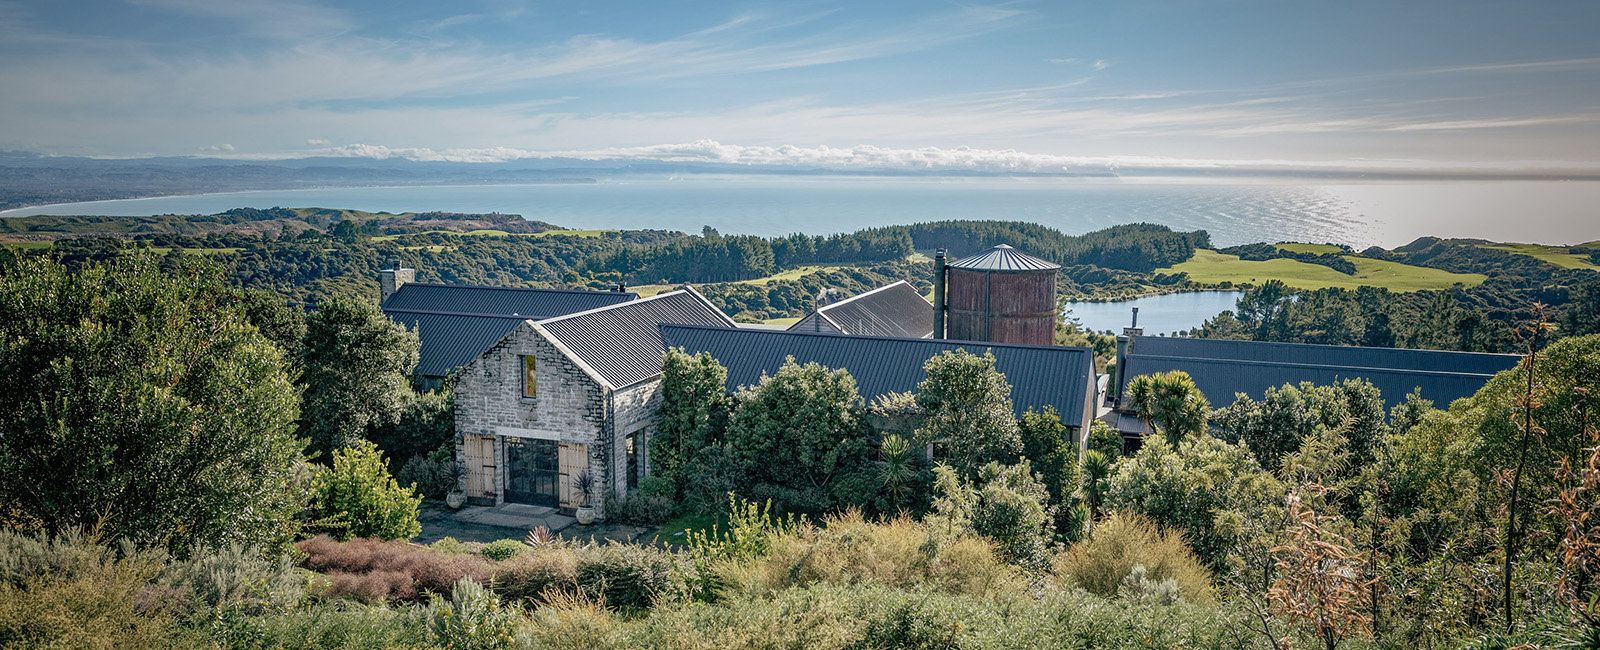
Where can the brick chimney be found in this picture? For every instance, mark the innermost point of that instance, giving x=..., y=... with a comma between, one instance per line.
x=391, y=279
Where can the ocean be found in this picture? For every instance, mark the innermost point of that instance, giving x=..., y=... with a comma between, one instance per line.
x=1388, y=214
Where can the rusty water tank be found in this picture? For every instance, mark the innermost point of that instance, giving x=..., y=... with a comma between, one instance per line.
x=1002, y=296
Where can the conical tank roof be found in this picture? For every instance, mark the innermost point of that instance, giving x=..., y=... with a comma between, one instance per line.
x=1002, y=258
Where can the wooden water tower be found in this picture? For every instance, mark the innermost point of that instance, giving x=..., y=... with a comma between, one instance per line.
x=1000, y=295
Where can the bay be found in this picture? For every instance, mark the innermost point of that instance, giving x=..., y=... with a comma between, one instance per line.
x=1358, y=215
x=1166, y=314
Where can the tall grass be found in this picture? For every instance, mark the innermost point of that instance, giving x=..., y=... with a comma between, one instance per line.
x=1102, y=563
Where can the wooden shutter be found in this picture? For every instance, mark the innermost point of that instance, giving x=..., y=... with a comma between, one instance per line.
x=574, y=459
x=480, y=466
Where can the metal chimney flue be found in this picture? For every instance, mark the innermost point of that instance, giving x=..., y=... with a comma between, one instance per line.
x=1135, y=317
x=938, y=294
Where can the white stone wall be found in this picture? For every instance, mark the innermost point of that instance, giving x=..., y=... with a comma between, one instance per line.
x=635, y=409
x=568, y=405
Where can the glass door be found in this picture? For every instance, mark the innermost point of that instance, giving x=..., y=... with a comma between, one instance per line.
x=532, y=472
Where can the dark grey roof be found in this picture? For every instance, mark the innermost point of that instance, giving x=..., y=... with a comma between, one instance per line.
x=1002, y=258
x=1223, y=368
x=620, y=343
x=450, y=341
x=498, y=301
x=892, y=310
x=1040, y=375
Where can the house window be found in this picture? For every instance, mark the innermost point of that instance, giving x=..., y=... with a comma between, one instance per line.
x=632, y=445
x=530, y=382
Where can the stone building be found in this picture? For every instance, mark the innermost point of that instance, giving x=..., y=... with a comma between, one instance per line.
x=563, y=395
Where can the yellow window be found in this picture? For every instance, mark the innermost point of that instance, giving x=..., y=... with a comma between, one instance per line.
x=529, y=381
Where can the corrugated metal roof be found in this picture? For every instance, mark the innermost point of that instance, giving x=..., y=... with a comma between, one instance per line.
x=1331, y=355
x=621, y=342
x=449, y=341
x=458, y=322
x=499, y=301
x=896, y=310
x=1040, y=375
x=1002, y=258
x=1222, y=369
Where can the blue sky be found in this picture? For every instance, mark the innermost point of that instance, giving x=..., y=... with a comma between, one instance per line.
x=1039, y=85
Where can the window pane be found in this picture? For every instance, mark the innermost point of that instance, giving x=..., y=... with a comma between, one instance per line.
x=529, y=381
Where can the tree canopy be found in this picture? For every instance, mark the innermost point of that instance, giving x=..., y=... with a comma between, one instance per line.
x=142, y=404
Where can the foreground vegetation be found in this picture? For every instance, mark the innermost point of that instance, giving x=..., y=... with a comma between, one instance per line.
x=187, y=464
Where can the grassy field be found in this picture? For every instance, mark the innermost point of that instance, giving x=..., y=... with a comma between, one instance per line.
x=1211, y=267
x=1556, y=255
x=502, y=233
x=29, y=245
x=786, y=322
x=791, y=274
x=1314, y=249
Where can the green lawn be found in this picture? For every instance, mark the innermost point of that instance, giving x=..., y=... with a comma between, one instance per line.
x=1211, y=267
x=1315, y=249
x=677, y=530
x=30, y=245
x=1556, y=255
x=786, y=322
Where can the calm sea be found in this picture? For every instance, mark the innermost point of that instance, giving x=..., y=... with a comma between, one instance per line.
x=1386, y=214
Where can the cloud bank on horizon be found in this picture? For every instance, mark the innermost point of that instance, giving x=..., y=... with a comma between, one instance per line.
x=1027, y=86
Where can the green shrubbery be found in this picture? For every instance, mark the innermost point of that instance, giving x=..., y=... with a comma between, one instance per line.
x=357, y=497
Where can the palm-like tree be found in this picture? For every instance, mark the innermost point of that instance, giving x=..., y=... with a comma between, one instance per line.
x=1169, y=402
x=895, y=471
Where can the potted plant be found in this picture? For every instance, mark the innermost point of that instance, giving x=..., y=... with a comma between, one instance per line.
x=457, y=496
x=583, y=484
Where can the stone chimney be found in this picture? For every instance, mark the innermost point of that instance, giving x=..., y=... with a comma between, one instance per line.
x=391, y=279
x=1125, y=344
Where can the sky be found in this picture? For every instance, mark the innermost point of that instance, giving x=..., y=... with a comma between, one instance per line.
x=1043, y=85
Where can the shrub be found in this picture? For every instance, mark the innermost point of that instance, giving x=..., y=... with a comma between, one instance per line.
x=639, y=508
x=358, y=497
x=1122, y=542
x=1209, y=489
x=433, y=475
x=371, y=570
x=71, y=592
x=341, y=624
x=473, y=619
x=628, y=576
x=450, y=545
x=237, y=578
x=502, y=549
x=1005, y=505
x=898, y=552
x=657, y=486
x=534, y=575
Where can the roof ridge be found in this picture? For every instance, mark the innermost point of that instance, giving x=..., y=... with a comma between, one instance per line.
x=601, y=308
x=440, y=285
x=864, y=294
x=874, y=337
x=1322, y=345
x=456, y=313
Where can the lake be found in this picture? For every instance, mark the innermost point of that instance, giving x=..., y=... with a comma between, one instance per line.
x=1359, y=215
x=1174, y=312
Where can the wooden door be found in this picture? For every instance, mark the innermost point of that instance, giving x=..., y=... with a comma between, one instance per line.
x=479, y=457
x=574, y=459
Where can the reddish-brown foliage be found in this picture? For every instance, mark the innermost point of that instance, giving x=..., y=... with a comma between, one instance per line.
x=371, y=569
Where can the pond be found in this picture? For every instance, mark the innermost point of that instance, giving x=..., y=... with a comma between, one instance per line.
x=1173, y=312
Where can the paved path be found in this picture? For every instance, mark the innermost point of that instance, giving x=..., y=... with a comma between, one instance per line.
x=513, y=521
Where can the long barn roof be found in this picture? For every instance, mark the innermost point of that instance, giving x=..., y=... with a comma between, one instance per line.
x=1223, y=368
x=456, y=323
x=1039, y=375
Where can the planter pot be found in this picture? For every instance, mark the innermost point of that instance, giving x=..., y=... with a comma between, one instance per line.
x=455, y=499
x=585, y=515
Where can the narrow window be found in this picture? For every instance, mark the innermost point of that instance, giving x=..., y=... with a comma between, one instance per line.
x=632, y=445
x=530, y=382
